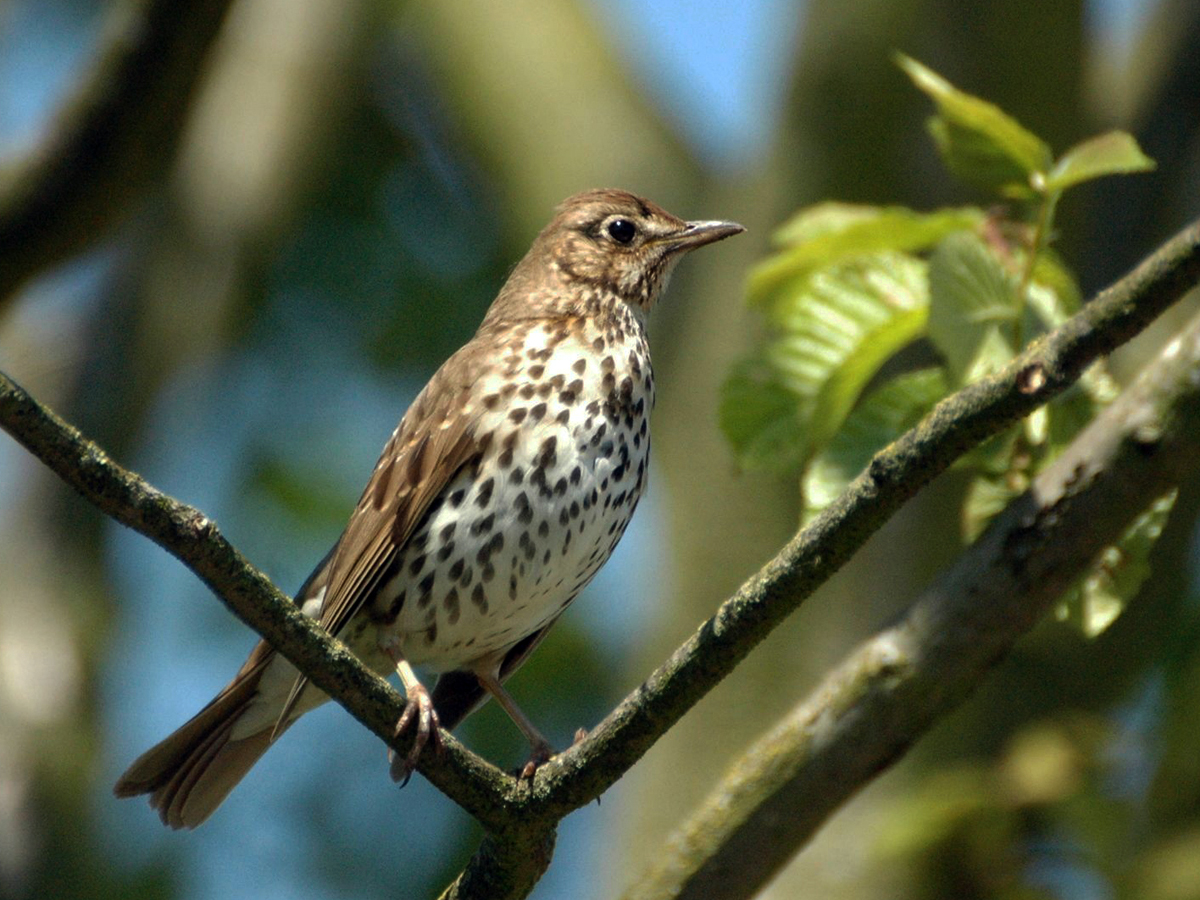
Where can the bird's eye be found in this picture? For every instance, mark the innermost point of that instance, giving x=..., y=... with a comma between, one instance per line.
x=621, y=230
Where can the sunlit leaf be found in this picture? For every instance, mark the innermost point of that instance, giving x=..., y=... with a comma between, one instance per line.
x=971, y=308
x=840, y=328
x=830, y=232
x=979, y=141
x=760, y=418
x=987, y=496
x=1050, y=272
x=881, y=417
x=1113, y=579
x=1114, y=153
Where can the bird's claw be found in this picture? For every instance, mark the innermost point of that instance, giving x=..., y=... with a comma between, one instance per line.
x=541, y=754
x=419, y=709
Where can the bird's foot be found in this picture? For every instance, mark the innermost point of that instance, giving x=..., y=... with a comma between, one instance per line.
x=540, y=755
x=418, y=711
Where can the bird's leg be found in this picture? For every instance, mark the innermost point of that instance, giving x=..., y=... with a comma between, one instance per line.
x=541, y=749
x=418, y=708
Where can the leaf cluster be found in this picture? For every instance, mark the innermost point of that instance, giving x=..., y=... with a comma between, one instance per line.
x=850, y=290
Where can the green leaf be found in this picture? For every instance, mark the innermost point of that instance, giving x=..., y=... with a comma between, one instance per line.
x=760, y=418
x=879, y=419
x=986, y=498
x=972, y=306
x=1102, y=594
x=830, y=232
x=1063, y=298
x=979, y=141
x=1114, y=153
x=840, y=328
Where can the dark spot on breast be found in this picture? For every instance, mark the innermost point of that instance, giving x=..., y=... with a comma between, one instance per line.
x=547, y=456
x=417, y=564
x=524, y=509
x=607, y=365
x=517, y=476
x=479, y=526
x=537, y=412
x=456, y=568
x=451, y=605
x=485, y=493
x=579, y=365
x=479, y=598
x=444, y=552
x=564, y=517
x=491, y=401
x=563, y=417
x=560, y=487
x=517, y=416
x=426, y=587
x=535, y=372
x=598, y=344
x=574, y=509
x=456, y=498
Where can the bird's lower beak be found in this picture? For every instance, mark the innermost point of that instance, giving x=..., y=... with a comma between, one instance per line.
x=697, y=234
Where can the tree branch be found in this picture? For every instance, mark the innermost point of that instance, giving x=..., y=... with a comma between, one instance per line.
x=520, y=815
x=888, y=692
x=115, y=137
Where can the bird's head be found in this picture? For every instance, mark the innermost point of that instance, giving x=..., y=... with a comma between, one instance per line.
x=610, y=243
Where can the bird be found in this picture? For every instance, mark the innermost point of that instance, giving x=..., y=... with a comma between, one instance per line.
x=501, y=493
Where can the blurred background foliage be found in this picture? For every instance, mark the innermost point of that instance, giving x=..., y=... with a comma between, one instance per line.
x=353, y=182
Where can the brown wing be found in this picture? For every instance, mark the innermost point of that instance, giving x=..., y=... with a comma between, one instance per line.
x=436, y=439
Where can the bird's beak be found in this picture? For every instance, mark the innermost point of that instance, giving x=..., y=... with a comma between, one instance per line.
x=697, y=234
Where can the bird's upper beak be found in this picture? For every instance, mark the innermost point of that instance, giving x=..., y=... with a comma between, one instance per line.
x=697, y=234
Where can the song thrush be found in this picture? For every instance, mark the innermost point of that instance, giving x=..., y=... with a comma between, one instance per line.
x=500, y=494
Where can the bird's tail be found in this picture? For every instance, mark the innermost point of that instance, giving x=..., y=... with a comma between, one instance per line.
x=189, y=773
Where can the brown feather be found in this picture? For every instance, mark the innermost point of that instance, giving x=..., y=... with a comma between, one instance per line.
x=190, y=772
